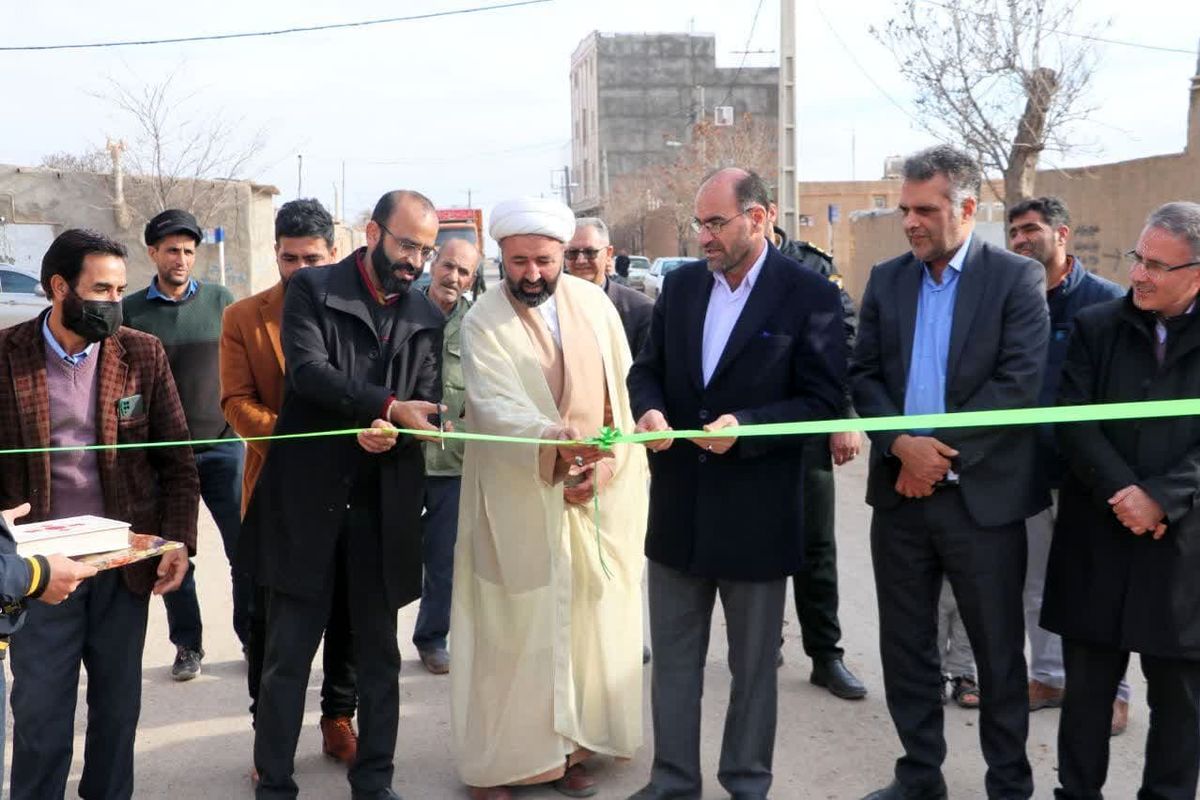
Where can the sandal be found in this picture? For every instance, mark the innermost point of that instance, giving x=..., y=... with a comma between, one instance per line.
x=965, y=692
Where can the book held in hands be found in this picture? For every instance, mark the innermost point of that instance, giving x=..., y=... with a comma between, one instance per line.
x=71, y=536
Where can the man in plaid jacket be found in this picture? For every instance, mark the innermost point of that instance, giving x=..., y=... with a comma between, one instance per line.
x=73, y=377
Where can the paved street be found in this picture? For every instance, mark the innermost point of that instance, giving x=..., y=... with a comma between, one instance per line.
x=195, y=738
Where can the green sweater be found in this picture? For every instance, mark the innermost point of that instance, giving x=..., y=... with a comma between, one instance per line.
x=190, y=331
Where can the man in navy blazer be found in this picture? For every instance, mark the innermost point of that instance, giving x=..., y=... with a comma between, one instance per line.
x=745, y=336
x=954, y=325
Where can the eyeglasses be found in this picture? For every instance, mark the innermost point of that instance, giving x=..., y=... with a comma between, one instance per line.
x=589, y=253
x=1154, y=267
x=409, y=247
x=714, y=226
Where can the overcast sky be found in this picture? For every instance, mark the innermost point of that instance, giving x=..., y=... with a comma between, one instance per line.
x=480, y=102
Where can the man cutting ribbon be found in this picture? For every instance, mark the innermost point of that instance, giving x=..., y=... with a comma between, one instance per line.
x=547, y=625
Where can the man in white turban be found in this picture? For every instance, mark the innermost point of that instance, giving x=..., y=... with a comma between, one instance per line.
x=546, y=609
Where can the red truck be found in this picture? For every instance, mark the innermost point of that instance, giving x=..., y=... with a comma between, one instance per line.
x=460, y=223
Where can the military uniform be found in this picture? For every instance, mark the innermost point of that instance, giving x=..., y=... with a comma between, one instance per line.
x=816, y=587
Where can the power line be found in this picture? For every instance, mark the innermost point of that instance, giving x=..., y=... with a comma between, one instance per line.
x=745, y=53
x=279, y=32
x=1073, y=34
x=866, y=73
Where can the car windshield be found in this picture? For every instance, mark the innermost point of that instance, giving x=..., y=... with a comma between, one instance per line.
x=669, y=264
x=638, y=262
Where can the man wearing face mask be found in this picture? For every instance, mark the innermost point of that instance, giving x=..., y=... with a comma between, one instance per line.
x=334, y=515
x=74, y=377
x=251, y=396
x=452, y=274
x=185, y=314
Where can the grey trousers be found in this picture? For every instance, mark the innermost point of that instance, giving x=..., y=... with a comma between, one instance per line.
x=681, y=609
x=953, y=644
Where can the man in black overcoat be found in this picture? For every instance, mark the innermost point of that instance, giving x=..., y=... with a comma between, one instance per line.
x=1124, y=570
x=341, y=514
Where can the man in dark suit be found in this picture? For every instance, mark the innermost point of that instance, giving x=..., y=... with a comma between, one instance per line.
x=1123, y=563
x=954, y=325
x=588, y=256
x=331, y=514
x=73, y=377
x=746, y=336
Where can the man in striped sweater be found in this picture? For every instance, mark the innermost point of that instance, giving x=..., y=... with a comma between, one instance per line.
x=186, y=315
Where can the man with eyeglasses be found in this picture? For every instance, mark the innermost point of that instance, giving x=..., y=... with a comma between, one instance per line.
x=1123, y=564
x=588, y=256
x=342, y=514
x=744, y=336
x=1040, y=229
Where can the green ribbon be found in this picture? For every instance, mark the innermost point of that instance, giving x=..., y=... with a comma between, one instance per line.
x=608, y=437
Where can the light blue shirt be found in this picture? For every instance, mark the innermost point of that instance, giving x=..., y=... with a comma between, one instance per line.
x=154, y=294
x=57, y=348
x=926, y=389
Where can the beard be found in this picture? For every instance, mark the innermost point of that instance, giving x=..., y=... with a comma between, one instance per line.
x=385, y=270
x=532, y=295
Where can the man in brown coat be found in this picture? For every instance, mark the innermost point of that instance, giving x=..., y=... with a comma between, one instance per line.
x=73, y=377
x=251, y=396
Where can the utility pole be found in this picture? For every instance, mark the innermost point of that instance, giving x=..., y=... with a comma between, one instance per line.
x=785, y=192
x=342, y=208
x=567, y=184
x=469, y=199
x=299, y=174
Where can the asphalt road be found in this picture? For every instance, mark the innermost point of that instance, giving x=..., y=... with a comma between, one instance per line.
x=195, y=741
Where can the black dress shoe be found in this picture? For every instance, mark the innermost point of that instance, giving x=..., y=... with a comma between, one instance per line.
x=832, y=674
x=894, y=791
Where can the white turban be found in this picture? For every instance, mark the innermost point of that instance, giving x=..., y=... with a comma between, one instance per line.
x=532, y=215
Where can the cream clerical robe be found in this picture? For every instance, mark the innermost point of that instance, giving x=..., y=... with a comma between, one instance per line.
x=547, y=648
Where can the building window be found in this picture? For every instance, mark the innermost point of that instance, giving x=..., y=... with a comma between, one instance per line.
x=879, y=201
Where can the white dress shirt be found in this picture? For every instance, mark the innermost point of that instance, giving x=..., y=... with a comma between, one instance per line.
x=724, y=307
x=549, y=311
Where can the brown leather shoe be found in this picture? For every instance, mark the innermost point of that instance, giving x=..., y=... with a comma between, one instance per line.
x=576, y=782
x=1120, y=718
x=1042, y=696
x=338, y=739
x=490, y=793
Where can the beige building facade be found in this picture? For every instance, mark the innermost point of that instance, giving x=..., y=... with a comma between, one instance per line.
x=37, y=204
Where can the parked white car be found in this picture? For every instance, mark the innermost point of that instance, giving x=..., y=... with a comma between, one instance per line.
x=21, y=296
x=639, y=267
x=658, y=271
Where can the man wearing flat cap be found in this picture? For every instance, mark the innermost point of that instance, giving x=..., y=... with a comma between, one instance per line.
x=185, y=314
x=546, y=608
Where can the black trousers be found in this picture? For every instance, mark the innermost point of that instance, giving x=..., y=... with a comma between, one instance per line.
x=294, y=627
x=102, y=627
x=1172, y=745
x=912, y=547
x=339, y=693
x=816, y=585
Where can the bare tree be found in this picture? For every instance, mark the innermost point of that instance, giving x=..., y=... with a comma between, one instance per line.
x=1000, y=78
x=179, y=154
x=94, y=160
x=748, y=144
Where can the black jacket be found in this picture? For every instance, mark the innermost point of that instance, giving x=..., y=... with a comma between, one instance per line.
x=738, y=516
x=339, y=374
x=1078, y=290
x=1105, y=585
x=635, y=310
x=996, y=358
